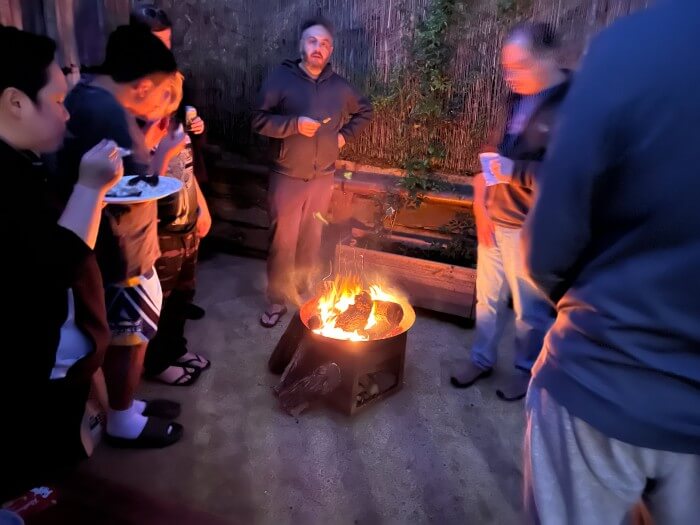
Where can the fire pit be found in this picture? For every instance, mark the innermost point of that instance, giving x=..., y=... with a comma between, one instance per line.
x=351, y=345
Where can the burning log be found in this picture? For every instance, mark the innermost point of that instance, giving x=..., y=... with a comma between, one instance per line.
x=356, y=316
x=391, y=312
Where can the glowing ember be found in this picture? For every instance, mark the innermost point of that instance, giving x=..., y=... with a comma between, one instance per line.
x=341, y=301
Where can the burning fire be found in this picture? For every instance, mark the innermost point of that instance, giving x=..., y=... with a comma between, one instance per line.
x=340, y=295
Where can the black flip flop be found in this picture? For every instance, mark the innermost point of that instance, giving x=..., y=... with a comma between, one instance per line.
x=162, y=408
x=270, y=315
x=194, y=374
x=197, y=359
x=158, y=433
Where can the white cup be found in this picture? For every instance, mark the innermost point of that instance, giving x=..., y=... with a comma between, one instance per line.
x=486, y=159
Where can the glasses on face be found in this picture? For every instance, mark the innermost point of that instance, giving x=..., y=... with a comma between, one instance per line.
x=156, y=14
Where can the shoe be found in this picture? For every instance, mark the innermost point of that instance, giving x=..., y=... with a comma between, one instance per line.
x=469, y=375
x=194, y=312
x=515, y=386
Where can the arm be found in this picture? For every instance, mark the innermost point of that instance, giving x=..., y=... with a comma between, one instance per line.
x=204, y=219
x=266, y=119
x=524, y=172
x=360, y=110
x=558, y=229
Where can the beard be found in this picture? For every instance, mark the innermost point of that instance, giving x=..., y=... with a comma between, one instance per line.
x=318, y=61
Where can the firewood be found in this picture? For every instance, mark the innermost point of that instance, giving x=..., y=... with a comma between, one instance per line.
x=355, y=317
x=390, y=311
x=319, y=383
x=315, y=323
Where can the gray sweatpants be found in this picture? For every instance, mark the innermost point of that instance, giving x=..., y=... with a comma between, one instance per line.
x=576, y=475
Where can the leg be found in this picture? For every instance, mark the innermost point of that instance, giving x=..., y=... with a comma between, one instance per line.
x=491, y=306
x=161, y=349
x=286, y=199
x=673, y=497
x=184, y=293
x=320, y=192
x=122, y=369
x=533, y=314
x=573, y=473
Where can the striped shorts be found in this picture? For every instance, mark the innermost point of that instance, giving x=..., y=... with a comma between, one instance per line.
x=133, y=309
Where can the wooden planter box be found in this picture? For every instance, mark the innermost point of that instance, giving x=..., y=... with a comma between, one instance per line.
x=431, y=285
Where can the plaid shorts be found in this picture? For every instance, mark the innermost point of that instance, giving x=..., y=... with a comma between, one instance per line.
x=133, y=309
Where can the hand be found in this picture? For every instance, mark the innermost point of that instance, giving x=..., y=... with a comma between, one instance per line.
x=196, y=127
x=308, y=126
x=73, y=77
x=341, y=141
x=172, y=144
x=485, y=230
x=155, y=131
x=502, y=169
x=101, y=167
x=203, y=223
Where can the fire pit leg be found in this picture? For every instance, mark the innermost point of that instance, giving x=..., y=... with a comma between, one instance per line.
x=287, y=345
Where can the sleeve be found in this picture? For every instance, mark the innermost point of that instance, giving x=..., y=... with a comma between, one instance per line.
x=360, y=110
x=557, y=231
x=524, y=172
x=266, y=119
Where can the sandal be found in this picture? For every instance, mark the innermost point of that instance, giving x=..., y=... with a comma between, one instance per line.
x=162, y=408
x=158, y=433
x=188, y=377
x=273, y=316
x=195, y=362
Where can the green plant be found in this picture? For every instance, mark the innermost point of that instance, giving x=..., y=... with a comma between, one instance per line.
x=462, y=245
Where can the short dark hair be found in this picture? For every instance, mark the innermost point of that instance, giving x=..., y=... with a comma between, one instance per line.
x=541, y=36
x=151, y=16
x=24, y=61
x=133, y=52
x=317, y=21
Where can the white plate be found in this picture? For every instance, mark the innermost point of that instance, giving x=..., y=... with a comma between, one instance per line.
x=166, y=186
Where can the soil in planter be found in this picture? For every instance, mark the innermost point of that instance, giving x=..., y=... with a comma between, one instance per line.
x=428, y=254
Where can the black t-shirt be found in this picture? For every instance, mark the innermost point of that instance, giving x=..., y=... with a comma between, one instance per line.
x=127, y=245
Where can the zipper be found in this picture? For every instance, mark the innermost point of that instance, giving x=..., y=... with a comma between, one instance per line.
x=316, y=136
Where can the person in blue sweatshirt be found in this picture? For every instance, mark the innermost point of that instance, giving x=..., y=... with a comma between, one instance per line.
x=614, y=405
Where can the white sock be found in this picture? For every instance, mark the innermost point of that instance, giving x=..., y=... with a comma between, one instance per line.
x=127, y=424
x=139, y=405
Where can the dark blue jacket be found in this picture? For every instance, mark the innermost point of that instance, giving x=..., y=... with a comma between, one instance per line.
x=289, y=93
x=614, y=237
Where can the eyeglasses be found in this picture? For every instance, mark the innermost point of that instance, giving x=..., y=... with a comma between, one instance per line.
x=156, y=13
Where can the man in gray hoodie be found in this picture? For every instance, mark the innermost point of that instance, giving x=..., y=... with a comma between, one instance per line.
x=309, y=112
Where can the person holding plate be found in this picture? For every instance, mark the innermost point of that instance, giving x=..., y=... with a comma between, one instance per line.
x=135, y=81
x=503, y=196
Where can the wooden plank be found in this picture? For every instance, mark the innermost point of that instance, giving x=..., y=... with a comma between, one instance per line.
x=428, y=284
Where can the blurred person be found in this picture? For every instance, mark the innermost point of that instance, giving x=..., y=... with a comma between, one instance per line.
x=167, y=358
x=158, y=21
x=310, y=112
x=56, y=322
x=134, y=82
x=537, y=87
x=614, y=407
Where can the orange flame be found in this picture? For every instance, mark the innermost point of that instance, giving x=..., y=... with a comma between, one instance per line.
x=338, y=297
